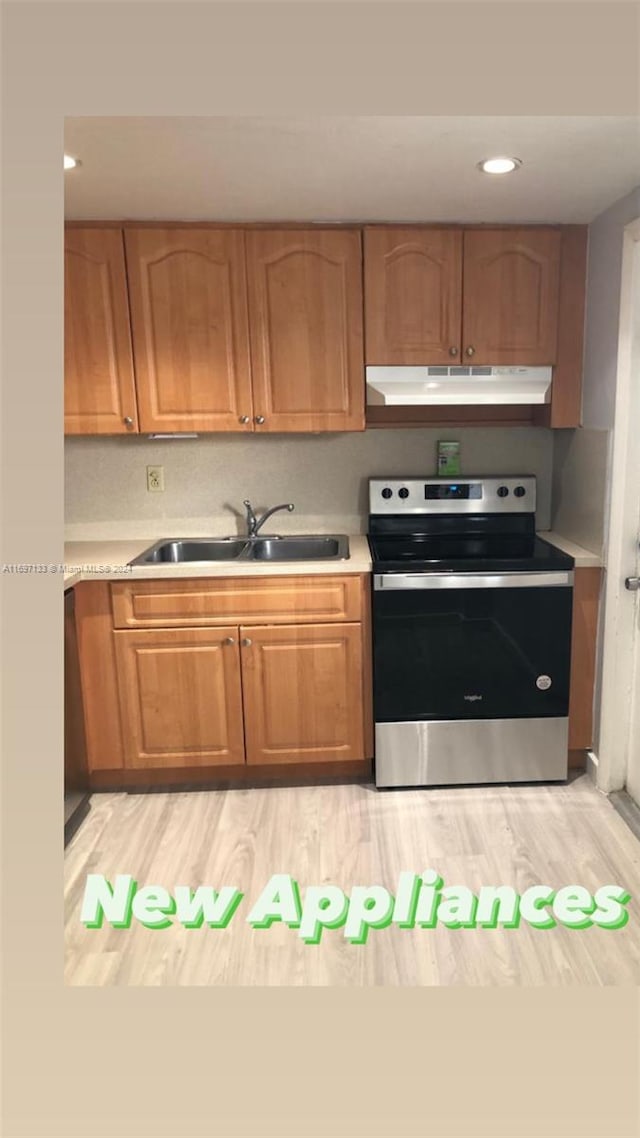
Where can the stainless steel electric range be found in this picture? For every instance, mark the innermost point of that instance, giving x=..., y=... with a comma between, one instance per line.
x=471, y=634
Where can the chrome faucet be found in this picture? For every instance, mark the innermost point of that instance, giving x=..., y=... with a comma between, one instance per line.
x=254, y=524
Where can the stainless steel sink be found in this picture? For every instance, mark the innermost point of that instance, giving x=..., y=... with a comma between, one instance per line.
x=332, y=547
x=191, y=549
x=300, y=548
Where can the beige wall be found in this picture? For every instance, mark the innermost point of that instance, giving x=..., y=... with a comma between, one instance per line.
x=324, y=475
x=581, y=457
x=580, y=471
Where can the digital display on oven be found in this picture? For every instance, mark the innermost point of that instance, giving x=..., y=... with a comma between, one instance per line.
x=452, y=490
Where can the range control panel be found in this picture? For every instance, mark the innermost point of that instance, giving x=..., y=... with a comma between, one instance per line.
x=500, y=494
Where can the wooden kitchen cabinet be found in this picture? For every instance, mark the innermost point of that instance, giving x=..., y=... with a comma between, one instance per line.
x=180, y=697
x=584, y=632
x=235, y=678
x=461, y=296
x=302, y=689
x=190, y=331
x=99, y=389
x=413, y=295
x=522, y=302
x=305, y=311
x=510, y=296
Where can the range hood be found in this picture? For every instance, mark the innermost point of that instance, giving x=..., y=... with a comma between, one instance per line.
x=466, y=386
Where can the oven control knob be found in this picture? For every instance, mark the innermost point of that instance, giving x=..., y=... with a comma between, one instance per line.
x=519, y=491
x=403, y=492
x=503, y=491
x=386, y=493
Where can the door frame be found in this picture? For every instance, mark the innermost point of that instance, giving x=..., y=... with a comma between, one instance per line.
x=619, y=648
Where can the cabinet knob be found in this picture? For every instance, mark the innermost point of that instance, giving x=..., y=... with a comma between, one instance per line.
x=453, y=351
x=128, y=422
x=228, y=640
x=260, y=419
x=246, y=643
x=244, y=418
x=470, y=351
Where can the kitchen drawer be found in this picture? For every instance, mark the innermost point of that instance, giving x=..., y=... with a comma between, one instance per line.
x=233, y=600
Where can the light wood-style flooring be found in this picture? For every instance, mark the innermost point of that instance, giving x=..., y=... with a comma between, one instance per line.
x=354, y=835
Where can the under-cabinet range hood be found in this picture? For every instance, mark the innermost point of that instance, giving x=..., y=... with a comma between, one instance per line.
x=468, y=386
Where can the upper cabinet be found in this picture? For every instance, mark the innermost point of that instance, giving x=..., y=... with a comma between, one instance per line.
x=203, y=328
x=190, y=332
x=305, y=308
x=447, y=296
x=99, y=391
x=510, y=296
x=485, y=295
x=413, y=295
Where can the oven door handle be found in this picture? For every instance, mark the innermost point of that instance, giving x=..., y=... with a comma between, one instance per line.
x=516, y=580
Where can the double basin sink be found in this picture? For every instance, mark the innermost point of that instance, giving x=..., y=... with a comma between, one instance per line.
x=333, y=547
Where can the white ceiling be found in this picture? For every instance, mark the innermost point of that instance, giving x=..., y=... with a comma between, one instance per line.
x=348, y=168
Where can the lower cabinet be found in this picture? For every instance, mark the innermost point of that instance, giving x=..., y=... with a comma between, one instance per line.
x=180, y=697
x=228, y=694
x=302, y=690
x=586, y=602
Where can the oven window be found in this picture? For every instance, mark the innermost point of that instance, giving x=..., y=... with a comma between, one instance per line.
x=471, y=653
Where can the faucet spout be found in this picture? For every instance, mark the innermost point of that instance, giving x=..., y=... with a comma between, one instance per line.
x=254, y=524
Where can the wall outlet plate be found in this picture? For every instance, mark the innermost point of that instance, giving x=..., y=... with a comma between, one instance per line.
x=155, y=479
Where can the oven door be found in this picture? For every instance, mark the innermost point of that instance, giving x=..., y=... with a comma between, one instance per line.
x=471, y=677
x=466, y=646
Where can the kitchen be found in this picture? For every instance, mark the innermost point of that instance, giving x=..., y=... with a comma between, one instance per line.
x=245, y=693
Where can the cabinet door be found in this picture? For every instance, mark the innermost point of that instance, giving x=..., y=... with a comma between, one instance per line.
x=190, y=333
x=303, y=697
x=510, y=296
x=305, y=298
x=180, y=697
x=412, y=295
x=99, y=390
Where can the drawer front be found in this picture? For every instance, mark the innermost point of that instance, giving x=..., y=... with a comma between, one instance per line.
x=282, y=600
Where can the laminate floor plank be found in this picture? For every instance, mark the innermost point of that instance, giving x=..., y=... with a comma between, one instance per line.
x=354, y=835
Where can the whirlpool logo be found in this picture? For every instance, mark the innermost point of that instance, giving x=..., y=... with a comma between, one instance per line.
x=472, y=698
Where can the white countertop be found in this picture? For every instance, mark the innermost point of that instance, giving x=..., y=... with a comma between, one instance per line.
x=584, y=558
x=108, y=560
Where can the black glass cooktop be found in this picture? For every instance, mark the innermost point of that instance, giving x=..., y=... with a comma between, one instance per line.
x=465, y=553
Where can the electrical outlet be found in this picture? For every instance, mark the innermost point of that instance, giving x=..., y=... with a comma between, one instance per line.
x=155, y=478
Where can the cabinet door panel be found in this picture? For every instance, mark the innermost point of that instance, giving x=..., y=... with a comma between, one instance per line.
x=413, y=295
x=180, y=697
x=190, y=333
x=305, y=294
x=303, y=693
x=99, y=390
x=510, y=296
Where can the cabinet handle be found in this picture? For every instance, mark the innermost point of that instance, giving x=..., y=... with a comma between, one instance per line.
x=128, y=422
x=244, y=418
x=470, y=351
x=228, y=640
x=260, y=419
x=246, y=643
x=453, y=351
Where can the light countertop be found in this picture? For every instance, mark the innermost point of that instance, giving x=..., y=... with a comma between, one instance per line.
x=108, y=560
x=584, y=558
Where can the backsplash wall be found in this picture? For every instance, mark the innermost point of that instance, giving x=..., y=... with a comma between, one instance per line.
x=325, y=476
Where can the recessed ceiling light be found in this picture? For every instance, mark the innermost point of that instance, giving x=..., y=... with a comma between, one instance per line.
x=70, y=162
x=499, y=165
